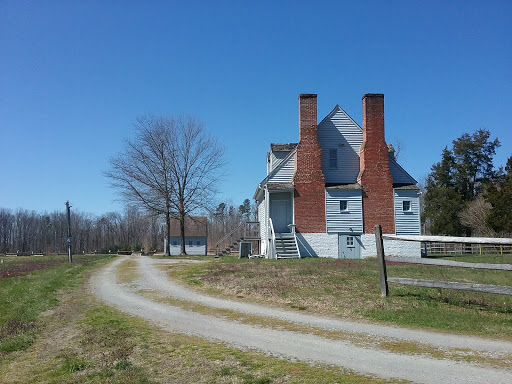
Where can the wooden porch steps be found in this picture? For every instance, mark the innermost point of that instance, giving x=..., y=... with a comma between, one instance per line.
x=246, y=231
x=286, y=246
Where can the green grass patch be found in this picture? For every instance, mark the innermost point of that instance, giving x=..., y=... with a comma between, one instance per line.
x=126, y=271
x=488, y=259
x=73, y=363
x=350, y=288
x=30, y=286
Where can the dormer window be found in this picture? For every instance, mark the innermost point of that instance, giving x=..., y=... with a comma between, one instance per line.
x=333, y=158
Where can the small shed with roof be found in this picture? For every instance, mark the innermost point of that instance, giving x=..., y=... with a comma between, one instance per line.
x=196, y=232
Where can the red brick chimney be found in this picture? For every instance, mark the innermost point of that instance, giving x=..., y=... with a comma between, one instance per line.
x=309, y=181
x=374, y=175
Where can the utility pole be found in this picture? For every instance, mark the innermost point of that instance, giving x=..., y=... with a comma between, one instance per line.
x=69, y=239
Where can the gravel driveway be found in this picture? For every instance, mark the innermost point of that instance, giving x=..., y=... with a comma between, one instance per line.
x=297, y=345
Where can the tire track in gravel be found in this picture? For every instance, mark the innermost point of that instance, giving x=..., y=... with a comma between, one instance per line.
x=287, y=344
x=154, y=278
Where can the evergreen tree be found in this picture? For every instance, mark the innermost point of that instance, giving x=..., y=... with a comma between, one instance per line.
x=245, y=209
x=442, y=201
x=220, y=213
x=473, y=162
x=500, y=197
x=457, y=179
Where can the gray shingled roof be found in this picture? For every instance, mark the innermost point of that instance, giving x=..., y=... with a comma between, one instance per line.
x=285, y=147
x=195, y=226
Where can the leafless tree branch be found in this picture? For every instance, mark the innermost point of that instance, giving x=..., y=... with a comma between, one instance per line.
x=172, y=167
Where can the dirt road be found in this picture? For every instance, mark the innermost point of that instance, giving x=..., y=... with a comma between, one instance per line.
x=298, y=345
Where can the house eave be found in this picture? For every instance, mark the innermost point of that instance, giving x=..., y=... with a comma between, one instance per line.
x=280, y=187
x=258, y=194
x=406, y=186
x=282, y=147
x=353, y=186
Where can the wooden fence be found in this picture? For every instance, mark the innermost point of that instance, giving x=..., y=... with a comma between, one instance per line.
x=462, y=248
x=22, y=254
x=384, y=279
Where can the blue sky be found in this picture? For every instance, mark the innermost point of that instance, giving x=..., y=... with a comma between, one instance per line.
x=74, y=75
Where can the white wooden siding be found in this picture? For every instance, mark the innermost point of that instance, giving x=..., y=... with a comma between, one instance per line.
x=407, y=223
x=350, y=221
x=400, y=176
x=193, y=249
x=276, y=158
x=285, y=173
x=338, y=131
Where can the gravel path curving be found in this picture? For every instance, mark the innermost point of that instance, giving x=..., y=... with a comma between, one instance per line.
x=297, y=345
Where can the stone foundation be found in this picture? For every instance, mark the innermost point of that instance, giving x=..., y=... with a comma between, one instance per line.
x=318, y=244
x=391, y=247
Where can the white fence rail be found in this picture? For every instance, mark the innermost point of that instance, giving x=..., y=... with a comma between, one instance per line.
x=462, y=241
x=449, y=245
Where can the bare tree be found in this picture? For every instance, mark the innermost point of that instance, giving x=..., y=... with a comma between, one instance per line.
x=475, y=216
x=172, y=168
x=31, y=232
x=396, y=148
x=6, y=230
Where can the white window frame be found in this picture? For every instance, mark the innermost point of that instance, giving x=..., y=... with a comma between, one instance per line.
x=406, y=206
x=345, y=203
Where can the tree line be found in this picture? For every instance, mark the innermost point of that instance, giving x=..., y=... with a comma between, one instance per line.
x=26, y=232
x=465, y=193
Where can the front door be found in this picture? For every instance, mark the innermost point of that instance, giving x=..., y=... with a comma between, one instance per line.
x=280, y=213
x=349, y=247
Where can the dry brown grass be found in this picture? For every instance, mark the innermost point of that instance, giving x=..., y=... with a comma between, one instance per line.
x=328, y=287
x=397, y=346
x=350, y=289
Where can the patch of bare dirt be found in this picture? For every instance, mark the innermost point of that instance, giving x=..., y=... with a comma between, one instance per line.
x=21, y=268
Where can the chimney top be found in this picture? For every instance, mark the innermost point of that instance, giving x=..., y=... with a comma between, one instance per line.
x=373, y=95
x=307, y=95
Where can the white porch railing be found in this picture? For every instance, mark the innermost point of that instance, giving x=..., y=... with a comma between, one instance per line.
x=272, y=240
x=292, y=230
x=247, y=230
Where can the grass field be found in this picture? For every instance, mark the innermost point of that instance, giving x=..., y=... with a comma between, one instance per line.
x=350, y=288
x=490, y=259
x=30, y=286
x=53, y=330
